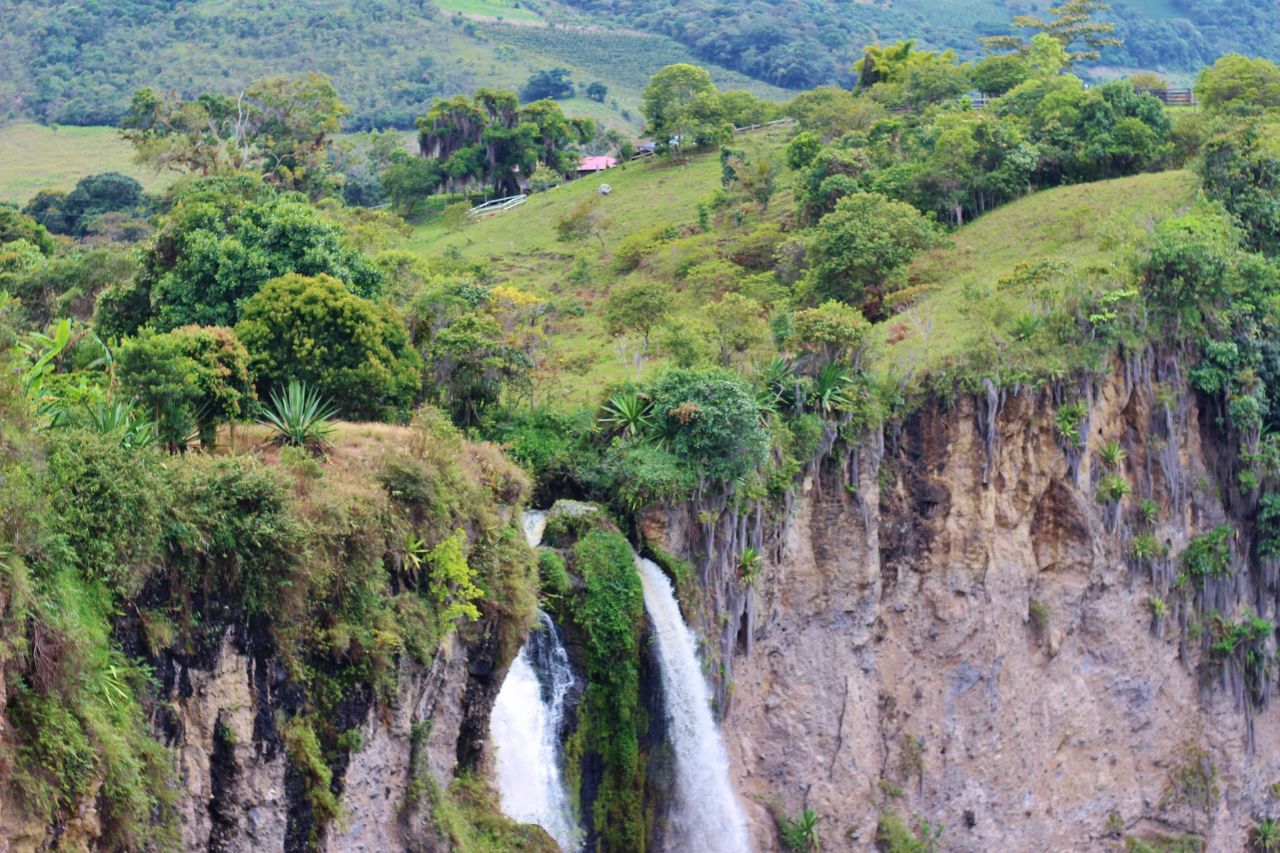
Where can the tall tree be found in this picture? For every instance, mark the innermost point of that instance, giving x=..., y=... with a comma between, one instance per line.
x=681, y=105
x=1073, y=24
x=282, y=126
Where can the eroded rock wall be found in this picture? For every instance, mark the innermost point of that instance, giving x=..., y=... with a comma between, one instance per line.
x=951, y=625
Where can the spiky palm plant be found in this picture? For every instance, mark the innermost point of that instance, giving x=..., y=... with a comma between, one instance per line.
x=299, y=416
x=830, y=389
x=628, y=414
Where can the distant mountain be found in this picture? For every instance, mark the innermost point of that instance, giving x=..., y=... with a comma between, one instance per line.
x=801, y=43
x=79, y=62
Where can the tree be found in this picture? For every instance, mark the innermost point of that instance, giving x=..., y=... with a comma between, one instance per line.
x=409, y=181
x=219, y=245
x=737, y=323
x=859, y=244
x=995, y=75
x=831, y=112
x=282, y=126
x=190, y=377
x=639, y=306
x=1238, y=85
x=832, y=332
x=712, y=420
x=757, y=175
x=585, y=219
x=313, y=329
x=802, y=148
x=473, y=364
x=1241, y=170
x=93, y=196
x=553, y=83
x=597, y=91
x=490, y=139
x=1073, y=25
x=681, y=105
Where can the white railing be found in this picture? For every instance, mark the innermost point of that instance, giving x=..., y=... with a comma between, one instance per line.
x=497, y=205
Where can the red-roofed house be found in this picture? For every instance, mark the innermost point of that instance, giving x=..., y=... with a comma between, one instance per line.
x=591, y=165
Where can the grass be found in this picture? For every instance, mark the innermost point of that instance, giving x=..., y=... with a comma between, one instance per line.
x=35, y=158
x=511, y=10
x=1086, y=226
x=521, y=248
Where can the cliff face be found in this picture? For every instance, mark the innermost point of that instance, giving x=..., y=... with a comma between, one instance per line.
x=952, y=625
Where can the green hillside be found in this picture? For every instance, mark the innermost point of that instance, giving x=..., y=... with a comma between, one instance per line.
x=65, y=64
x=79, y=63
x=35, y=158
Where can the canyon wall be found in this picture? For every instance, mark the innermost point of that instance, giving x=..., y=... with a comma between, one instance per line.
x=951, y=623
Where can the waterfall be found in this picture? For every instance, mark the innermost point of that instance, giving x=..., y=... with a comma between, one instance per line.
x=526, y=722
x=706, y=815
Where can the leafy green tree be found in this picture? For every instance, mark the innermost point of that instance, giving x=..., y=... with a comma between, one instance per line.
x=637, y=305
x=1073, y=25
x=802, y=148
x=1242, y=171
x=711, y=419
x=831, y=112
x=1238, y=85
x=472, y=364
x=995, y=75
x=553, y=83
x=489, y=139
x=737, y=324
x=219, y=245
x=587, y=218
x=193, y=376
x=15, y=226
x=832, y=332
x=859, y=244
x=597, y=91
x=681, y=106
x=354, y=351
x=282, y=126
x=409, y=181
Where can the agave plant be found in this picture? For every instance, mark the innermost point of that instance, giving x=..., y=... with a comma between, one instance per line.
x=830, y=389
x=299, y=416
x=628, y=414
x=776, y=384
x=118, y=417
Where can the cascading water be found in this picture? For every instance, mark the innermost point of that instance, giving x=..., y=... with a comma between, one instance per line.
x=706, y=815
x=525, y=726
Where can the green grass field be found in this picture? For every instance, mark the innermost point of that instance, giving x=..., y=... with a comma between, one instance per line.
x=35, y=158
x=511, y=10
x=1089, y=227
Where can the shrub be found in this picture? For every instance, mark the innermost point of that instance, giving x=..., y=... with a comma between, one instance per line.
x=894, y=836
x=300, y=417
x=353, y=351
x=106, y=505
x=800, y=834
x=710, y=418
x=635, y=248
x=1209, y=555
x=1113, y=488
x=552, y=571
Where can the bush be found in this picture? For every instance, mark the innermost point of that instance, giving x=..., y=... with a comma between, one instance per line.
x=711, y=419
x=225, y=240
x=552, y=571
x=353, y=351
x=1239, y=85
x=106, y=508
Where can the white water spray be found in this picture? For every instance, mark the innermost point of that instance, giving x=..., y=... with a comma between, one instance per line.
x=525, y=726
x=706, y=815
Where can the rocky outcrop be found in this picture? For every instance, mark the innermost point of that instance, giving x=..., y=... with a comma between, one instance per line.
x=951, y=624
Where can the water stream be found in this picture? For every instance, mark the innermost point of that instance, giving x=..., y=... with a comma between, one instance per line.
x=526, y=722
x=706, y=815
